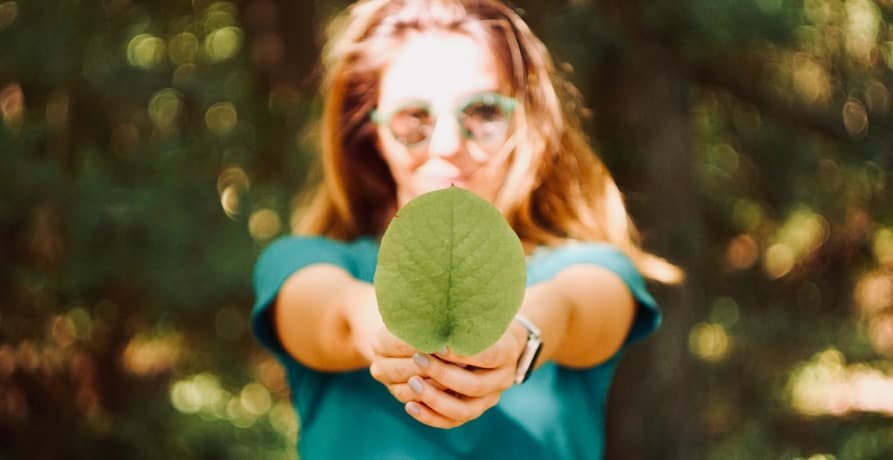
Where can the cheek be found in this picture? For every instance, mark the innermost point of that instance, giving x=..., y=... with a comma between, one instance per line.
x=495, y=180
x=395, y=155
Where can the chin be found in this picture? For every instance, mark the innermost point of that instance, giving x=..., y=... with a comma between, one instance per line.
x=438, y=184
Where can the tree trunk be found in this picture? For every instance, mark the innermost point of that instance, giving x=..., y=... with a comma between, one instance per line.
x=653, y=410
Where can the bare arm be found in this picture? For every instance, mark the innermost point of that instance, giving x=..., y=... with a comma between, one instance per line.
x=585, y=313
x=326, y=319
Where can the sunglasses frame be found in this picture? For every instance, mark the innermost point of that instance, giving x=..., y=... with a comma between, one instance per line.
x=505, y=103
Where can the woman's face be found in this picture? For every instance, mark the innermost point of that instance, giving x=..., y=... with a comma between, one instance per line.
x=442, y=118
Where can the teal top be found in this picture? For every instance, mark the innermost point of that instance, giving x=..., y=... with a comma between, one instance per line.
x=557, y=414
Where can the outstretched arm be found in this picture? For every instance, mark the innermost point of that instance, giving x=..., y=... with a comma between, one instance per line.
x=327, y=319
x=585, y=313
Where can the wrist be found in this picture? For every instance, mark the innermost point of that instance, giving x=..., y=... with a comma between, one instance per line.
x=519, y=333
x=361, y=317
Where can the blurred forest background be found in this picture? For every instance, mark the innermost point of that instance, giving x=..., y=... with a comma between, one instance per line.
x=150, y=149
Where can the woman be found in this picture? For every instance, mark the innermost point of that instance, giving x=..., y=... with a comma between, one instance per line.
x=421, y=95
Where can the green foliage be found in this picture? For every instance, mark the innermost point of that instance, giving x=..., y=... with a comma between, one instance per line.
x=150, y=150
x=123, y=273
x=450, y=272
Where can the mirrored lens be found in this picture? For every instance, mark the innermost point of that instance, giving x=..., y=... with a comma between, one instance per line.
x=412, y=125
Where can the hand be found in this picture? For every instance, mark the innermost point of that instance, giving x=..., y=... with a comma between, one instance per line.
x=446, y=390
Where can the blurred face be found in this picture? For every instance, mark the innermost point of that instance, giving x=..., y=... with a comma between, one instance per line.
x=442, y=117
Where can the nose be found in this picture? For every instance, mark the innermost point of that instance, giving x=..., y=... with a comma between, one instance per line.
x=445, y=139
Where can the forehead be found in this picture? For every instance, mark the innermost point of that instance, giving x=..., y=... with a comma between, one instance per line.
x=440, y=67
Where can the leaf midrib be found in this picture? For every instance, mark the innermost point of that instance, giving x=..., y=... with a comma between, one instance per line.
x=449, y=298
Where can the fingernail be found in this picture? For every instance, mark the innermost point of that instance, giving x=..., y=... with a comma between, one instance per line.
x=416, y=384
x=420, y=359
x=413, y=408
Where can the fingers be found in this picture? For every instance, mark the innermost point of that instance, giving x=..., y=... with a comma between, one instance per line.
x=427, y=416
x=439, y=408
x=452, y=406
x=487, y=359
x=505, y=352
x=393, y=370
x=437, y=393
x=466, y=382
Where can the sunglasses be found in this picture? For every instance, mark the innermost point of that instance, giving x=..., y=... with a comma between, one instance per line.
x=483, y=119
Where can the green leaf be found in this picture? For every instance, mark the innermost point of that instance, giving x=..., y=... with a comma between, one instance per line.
x=451, y=272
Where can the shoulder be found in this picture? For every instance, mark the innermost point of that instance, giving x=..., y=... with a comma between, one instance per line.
x=554, y=259
x=288, y=254
x=302, y=243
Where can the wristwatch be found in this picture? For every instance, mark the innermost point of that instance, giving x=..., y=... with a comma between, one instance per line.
x=531, y=350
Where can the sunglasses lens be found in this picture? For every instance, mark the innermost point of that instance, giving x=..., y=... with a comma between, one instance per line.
x=412, y=125
x=484, y=122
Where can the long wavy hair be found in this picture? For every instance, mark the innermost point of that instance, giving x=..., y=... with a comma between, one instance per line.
x=557, y=190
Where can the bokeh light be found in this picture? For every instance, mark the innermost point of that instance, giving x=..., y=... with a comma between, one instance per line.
x=199, y=393
x=232, y=183
x=183, y=74
x=8, y=13
x=709, y=342
x=62, y=331
x=742, y=252
x=272, y=375
x=725, y=311
x=810, y=79
x=826, y=385
x=183, y=48
x=882, y=245
x=221, y=118
x=863, y=26
x=153, y=353
x=145, y=51
x=778, y=260
x=874, y=292
x=218, y=15
x=855, y=118
x=880, y=333
x=284, y=419
x=164, y=108
x=256, y=399
x=877, y=97
x=804, y=232
x=12, y=106
x=223, y=43
x=264, y=224
x=185, y=397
